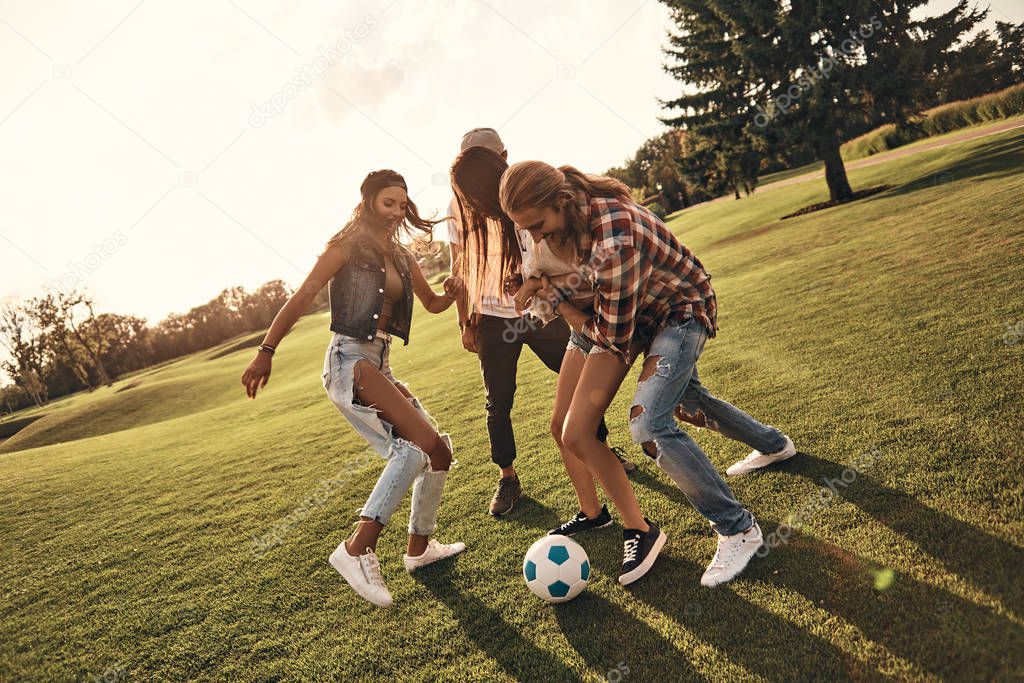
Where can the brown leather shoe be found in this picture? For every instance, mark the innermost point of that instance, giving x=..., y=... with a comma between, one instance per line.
x=506, y=495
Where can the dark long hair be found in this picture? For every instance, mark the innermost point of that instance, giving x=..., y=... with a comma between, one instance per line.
x=415, y=229
x=476, y=175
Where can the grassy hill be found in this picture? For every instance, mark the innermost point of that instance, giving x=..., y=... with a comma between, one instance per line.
x=872, y=333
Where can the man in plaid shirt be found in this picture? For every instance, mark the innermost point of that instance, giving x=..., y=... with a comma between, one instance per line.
x=653, y=296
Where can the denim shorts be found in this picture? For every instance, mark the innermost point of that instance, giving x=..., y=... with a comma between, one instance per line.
x=579, y=341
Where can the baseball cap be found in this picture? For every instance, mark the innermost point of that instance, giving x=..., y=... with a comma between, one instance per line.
x=483, y=137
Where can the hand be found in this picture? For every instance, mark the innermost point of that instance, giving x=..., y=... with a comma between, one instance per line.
x=453, y=286
x=526, y=292
x=469, y=338
x=257, y=374
x=512, y=284
x=547, y=292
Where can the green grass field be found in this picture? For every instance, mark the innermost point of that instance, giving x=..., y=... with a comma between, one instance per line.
x=127, y=516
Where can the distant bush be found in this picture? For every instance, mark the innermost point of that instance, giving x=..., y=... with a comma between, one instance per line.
x=658, y=210
x=938, y=120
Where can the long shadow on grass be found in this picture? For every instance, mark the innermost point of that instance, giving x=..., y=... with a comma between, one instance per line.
x=942, y=633
x=996, y=159
x=618, y=645
x=760, y=641
x=503, y=642
x=983, y=559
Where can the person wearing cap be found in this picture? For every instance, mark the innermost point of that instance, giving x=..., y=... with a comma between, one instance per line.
x=372, y=279
x=490, y=324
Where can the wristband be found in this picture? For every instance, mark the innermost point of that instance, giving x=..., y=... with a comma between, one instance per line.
x=266, y=348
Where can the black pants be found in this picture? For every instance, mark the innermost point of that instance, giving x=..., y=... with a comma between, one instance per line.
x=499, y=342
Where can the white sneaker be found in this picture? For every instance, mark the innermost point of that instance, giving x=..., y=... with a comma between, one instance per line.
x=435, y=551
x=732, y=556
x=363, y=574
x=756, y=460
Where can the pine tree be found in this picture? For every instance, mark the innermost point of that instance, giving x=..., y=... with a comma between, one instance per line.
x=761, y=73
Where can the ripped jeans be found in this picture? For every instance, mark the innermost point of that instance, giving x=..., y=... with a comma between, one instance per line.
x=406, y=464
x=674, y=381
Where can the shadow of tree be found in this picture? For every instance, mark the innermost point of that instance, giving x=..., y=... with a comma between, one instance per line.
x=995, y=159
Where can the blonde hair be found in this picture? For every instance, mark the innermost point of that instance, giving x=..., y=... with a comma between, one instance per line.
x=535, y=184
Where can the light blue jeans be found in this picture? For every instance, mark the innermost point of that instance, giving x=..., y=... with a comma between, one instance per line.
x=406, y=464
x=677, y=348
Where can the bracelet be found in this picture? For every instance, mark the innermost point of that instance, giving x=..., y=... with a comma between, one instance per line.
x=266, y=348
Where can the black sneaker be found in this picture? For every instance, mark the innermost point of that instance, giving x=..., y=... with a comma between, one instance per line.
x=627, y=466
x=639, y=552
x=506, y=494
x=583, y=523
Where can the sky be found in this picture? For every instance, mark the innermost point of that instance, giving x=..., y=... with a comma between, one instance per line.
x=156, y=152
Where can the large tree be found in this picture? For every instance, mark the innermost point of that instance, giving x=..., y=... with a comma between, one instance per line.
x=68, y=320
x=806, y=71
x=26, y=362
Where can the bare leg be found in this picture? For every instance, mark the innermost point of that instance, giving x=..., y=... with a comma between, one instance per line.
x=579, y=474
x=601, y=377
x=374, y=389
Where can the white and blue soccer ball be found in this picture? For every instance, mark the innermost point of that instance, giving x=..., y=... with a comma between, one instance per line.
x=556, y=568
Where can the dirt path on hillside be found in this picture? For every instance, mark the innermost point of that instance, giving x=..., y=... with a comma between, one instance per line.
x=882, y=157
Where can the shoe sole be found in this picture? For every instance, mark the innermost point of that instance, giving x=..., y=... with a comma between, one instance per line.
x=738, y=571
x=645, y=566
x=330, y=560
x=603, y=526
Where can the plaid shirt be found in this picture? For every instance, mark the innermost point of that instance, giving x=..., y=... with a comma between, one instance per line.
x=643, y=277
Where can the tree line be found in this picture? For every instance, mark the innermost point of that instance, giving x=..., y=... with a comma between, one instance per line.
x=58, y=343
x=774, y=84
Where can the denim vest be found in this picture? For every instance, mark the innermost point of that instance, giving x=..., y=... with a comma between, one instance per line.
x=357, y=293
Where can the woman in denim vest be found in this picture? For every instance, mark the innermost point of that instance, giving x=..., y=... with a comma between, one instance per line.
x=372, y=281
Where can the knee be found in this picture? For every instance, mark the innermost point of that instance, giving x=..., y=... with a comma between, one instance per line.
x=440, y=455
x=576, y=439
x=499, y=405
x=557, y=425
x=645, y=426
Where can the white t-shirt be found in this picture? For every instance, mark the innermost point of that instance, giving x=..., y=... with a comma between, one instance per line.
x=538, y=259
x=491, y=299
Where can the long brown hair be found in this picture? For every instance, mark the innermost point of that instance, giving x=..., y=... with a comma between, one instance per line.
x=475, y=175
x=414, y=228
x=535, y=184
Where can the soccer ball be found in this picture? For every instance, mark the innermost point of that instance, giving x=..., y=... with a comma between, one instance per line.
x=556, y=568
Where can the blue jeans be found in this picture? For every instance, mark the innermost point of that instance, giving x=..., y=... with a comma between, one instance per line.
x=406, y=464
x=677, y=348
